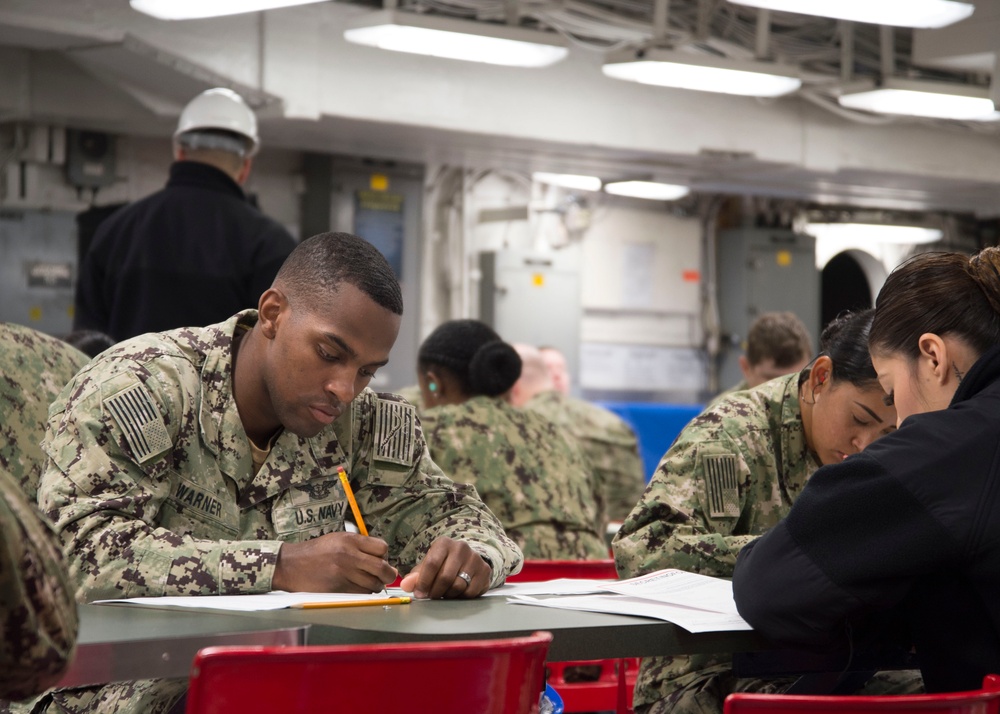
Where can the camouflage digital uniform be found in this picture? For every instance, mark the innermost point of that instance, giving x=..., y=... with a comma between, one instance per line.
x=34, y=367
x=526, y=470
x=152, y=488
x=608, y=443
x=742, y=386
x=37, y=611
x=732, y=473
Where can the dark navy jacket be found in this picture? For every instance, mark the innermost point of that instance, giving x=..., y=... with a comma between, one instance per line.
x=909, y=529
x=191, y=254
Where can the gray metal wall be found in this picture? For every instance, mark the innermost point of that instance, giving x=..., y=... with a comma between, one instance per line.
x=764, y=270
x=38, y=269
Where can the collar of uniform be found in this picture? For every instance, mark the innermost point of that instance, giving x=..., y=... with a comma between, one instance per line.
x=195, y=174
x=550, y=396
x=220, y=420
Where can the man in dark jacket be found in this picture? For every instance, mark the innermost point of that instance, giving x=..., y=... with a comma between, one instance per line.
x=195, y=252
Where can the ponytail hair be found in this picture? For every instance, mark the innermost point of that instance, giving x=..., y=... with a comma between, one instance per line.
x=941, y=293
x=474, y=354
x=845, y=342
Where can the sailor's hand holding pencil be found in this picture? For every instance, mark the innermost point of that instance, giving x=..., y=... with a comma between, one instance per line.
x=335, y=562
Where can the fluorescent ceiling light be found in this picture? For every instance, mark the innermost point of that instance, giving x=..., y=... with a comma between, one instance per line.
x=195, y=9
x=880, y=233
x=703, y=73
x=450, y=38
x=652, y=190
x=901, y=13
x=581, y=183
x=935, y=100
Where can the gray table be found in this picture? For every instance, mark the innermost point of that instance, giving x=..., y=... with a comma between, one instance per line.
x=576, y=635
x=121, y=642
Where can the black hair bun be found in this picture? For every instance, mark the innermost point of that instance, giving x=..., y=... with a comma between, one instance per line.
x=494, y=368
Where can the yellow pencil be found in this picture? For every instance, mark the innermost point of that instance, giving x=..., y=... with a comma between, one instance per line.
x=350, y=499
x=352, y=603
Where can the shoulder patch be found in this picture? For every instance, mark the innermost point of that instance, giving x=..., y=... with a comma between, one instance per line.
x=394, y=432
x=136, y=415
x=721, y=486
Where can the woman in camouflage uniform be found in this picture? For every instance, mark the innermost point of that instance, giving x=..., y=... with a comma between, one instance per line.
x=530, y=474
x=733, y=473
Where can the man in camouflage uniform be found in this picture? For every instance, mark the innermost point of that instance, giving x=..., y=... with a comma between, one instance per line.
x=531, y=475
x=608, y=443
x=37, y=611
x=204, y=461
x=34, y=368
x=777, y=344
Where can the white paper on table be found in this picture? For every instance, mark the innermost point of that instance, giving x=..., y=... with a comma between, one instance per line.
x=677, y=587
x=691, y=619
x=275, y=600
x=560, y=586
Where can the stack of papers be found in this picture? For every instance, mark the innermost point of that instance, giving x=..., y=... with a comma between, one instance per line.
x=698, y=603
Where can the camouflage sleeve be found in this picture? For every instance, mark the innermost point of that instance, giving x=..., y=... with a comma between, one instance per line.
x=411, y=502
x=687, y=515
x=103, y=493
x=37, y=611
x=624, y=479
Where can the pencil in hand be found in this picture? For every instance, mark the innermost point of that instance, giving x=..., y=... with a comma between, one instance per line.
x=349, y=492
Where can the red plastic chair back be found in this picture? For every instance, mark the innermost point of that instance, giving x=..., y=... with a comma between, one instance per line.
x=483, y=676
x=612, y=690
x=977, y=701
x=535, y=571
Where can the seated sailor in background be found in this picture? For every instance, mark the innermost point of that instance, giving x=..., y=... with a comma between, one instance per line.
x=609, y=444
x=531, y=475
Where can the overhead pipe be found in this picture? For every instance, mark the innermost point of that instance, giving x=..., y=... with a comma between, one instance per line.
x=763, y=35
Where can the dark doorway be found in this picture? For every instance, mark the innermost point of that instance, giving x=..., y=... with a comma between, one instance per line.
x=844, y=286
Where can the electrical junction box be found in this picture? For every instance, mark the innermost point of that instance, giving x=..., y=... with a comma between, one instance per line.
x=763, y=270
x=90, y=159
x=533, y=297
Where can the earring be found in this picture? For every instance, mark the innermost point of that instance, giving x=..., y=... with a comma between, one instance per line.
x=432, y=386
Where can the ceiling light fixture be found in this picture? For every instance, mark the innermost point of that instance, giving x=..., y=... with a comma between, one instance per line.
x=898, y=13
x=652, y=190
x=667, y=68
x=880, y=233
x=575, y=181
x=935, y=100
x=197, y=9
x=451, y=38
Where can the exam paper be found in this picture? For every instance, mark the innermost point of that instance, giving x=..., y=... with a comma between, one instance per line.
x=275, y=600
x=691, y=619
x=560, y=586
x=698, y=603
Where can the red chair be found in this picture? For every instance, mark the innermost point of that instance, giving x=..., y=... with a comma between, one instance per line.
x=615, y=683
x=483, y=676
x=977, y=701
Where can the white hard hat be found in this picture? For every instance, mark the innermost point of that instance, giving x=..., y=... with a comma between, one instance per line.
x=219, y=108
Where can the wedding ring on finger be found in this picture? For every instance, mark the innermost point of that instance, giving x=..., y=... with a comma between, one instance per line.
x=466, y=577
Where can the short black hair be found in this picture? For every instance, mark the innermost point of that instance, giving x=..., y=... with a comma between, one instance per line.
x=321, y=263
x=472, y=352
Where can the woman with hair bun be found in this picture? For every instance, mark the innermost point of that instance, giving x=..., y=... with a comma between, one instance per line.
x=909, y=530
x=531, y=475
x=731, y=474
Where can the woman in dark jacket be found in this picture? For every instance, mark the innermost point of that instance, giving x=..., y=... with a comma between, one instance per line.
x=908, y=530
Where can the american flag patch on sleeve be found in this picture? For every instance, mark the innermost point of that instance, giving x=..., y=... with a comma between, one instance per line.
x=136, y=415
x=721, y=486
x=394, y=432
